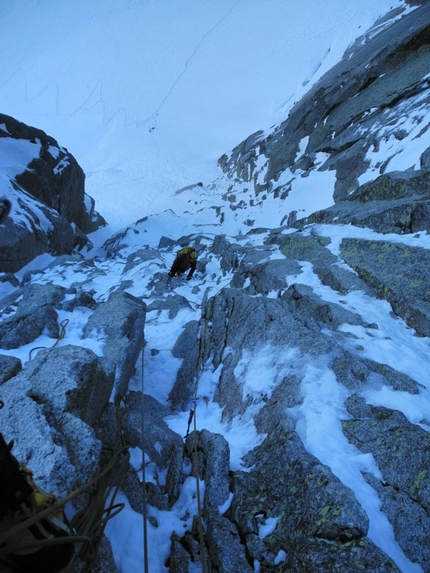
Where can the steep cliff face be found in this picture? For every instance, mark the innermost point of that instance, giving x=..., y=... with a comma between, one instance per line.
x=51, y=212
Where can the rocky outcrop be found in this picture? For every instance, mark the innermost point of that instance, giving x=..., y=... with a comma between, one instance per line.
x=120, y=321
x=35, y=312
x=50, y=209
x=404, y=489
x=311, y=521
x=56, y=406
x=398, y=274
x=396, y=202
x=315, y=514
x=399, y=203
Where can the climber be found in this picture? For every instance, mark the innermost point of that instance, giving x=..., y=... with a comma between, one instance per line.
x=5, y=206
x=46, y=545
x=186, y=259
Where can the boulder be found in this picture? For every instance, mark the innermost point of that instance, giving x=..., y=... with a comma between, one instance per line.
x=35, y=313
x=120, y=322
x=70, y=379
x=49, y=438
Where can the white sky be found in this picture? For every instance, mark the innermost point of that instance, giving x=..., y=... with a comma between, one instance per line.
x=98, y=76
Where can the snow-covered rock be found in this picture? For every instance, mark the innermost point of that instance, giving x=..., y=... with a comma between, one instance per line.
x=51, y=212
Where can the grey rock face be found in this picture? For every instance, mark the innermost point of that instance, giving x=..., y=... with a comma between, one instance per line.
x=397, y=273
x=173, y=303
x=70, y=379
x=401, y=450
x=21, y=244
x=187, y=347
x=56, y=408
x=224, y=546
x=355, y=372
x=238, y=323
x=265, y=277
x=224, y=550
x=159, y=439
x=104, y=561
x=9, y=367
x=397, y=202
x=42, y=405
x=55, y=178
x=215, y=470
x=319, y=521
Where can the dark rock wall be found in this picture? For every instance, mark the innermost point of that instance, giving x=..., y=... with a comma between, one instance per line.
x=57, y=222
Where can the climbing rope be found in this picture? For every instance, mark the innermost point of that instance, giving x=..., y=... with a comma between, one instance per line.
x=87, y=526
x=145, y=523
x=193, y=416
x=199, y=503
x=61, y=335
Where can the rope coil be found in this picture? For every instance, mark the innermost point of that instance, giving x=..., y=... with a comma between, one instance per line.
x=87, y=526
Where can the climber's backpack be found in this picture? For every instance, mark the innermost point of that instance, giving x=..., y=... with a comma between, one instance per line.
x=190, y=251
x=38, y=547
